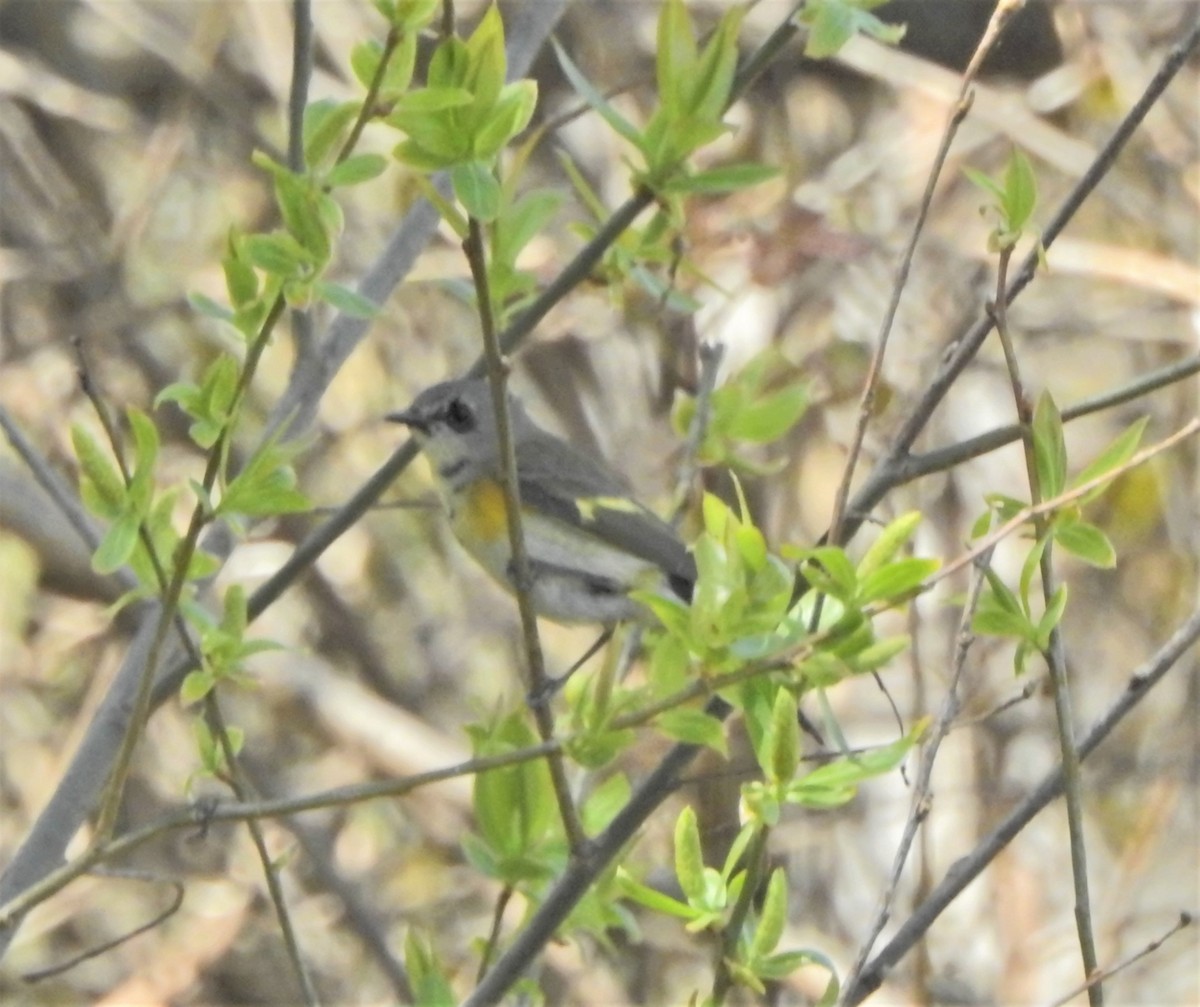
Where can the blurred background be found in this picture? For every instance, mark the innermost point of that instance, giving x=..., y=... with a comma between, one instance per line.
x=125, y=139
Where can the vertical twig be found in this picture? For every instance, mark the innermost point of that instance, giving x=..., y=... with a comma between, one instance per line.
x=1055, y=653
x=537, y=681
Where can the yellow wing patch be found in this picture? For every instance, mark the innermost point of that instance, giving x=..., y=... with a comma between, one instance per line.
x=589, y=505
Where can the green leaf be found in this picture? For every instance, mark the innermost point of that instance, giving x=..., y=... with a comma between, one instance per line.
x=204, y=305
x=326, y=123
x=430, y=986
x=832, y=23
x=771, y=416
x=782, y=754
x=708, y=87
x=1112, y=458
x=772, y=917
x=145, y=443
x=299, y=203
x=364, y=61
x=347, y=301
x=279, y=253
x=652, y=898
x=117, y=545
x=889, y=542
x=486, y=59
x=986, y=183
x=896, y=579
x=622, y=126
x=413, y=15
x=1051, y=617
x=510, y=115
x=689, y=861
x=1087, y=542
x=876, y=655
x=196, y=685
x=695, y=727
x=521, y=222
x=476, y=187
x=718, y=180
x=603, y=803
x=101, y=486
x=1020, y=191
x=992, y=619
x=356, y=169
x=1049, y=447
x=676, y=55
x=265, y=486
x=449, y=64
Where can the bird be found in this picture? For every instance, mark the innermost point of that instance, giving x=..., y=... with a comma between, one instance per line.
x=589, y=542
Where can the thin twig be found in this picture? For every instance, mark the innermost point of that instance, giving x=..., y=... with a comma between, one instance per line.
x=94, y=952
x=945, y=458
x=922, y=800
x=968, y=868
x=866, y=410
x=755, y=859
x=1185, y=920
x=241, y=786
x=963, y=350
x=522, y=578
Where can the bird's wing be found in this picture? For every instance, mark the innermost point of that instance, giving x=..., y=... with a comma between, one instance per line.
x=571, y=487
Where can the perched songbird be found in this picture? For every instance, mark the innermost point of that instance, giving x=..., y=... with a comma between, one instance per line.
x=588, y=541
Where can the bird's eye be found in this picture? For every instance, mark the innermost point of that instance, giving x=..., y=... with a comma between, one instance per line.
x=460, y=416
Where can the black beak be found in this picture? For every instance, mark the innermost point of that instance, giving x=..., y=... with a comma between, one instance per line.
x=410, y=419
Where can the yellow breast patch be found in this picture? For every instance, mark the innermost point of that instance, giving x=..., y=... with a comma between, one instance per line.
x=480, y=514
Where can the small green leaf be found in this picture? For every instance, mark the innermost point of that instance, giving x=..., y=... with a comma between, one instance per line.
x=889, y=542
x=782, y=754
x=101, y=486
x=995, y=620
x=986, y=183
x=364, y=61
x=279, y=253
x=1051, y=617
x=695, y=727
x=1020, y=191
x=347, y=301
x=204, y=305
x=689, y=861
x=676, y=54
x=476, y=187
x=299, y=204
x=896, y=579
x=832, y=23
x=485, y=57
x=1112, y=457
x=117, y=545
x=196, y=685
x=622, y=126
x=326, y=122
x=428, y=980
x=510, y=115
x=356, y=169
x=708, y=87
x=1049, y=447
x=771, y=416
x=652, y=898
x=1087, y=542
x=772, y=917
x=449, y=64
x=717, y=180
x=264, y=487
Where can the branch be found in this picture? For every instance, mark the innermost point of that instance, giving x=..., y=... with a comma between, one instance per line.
x=962, y=351
x=967, y=869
